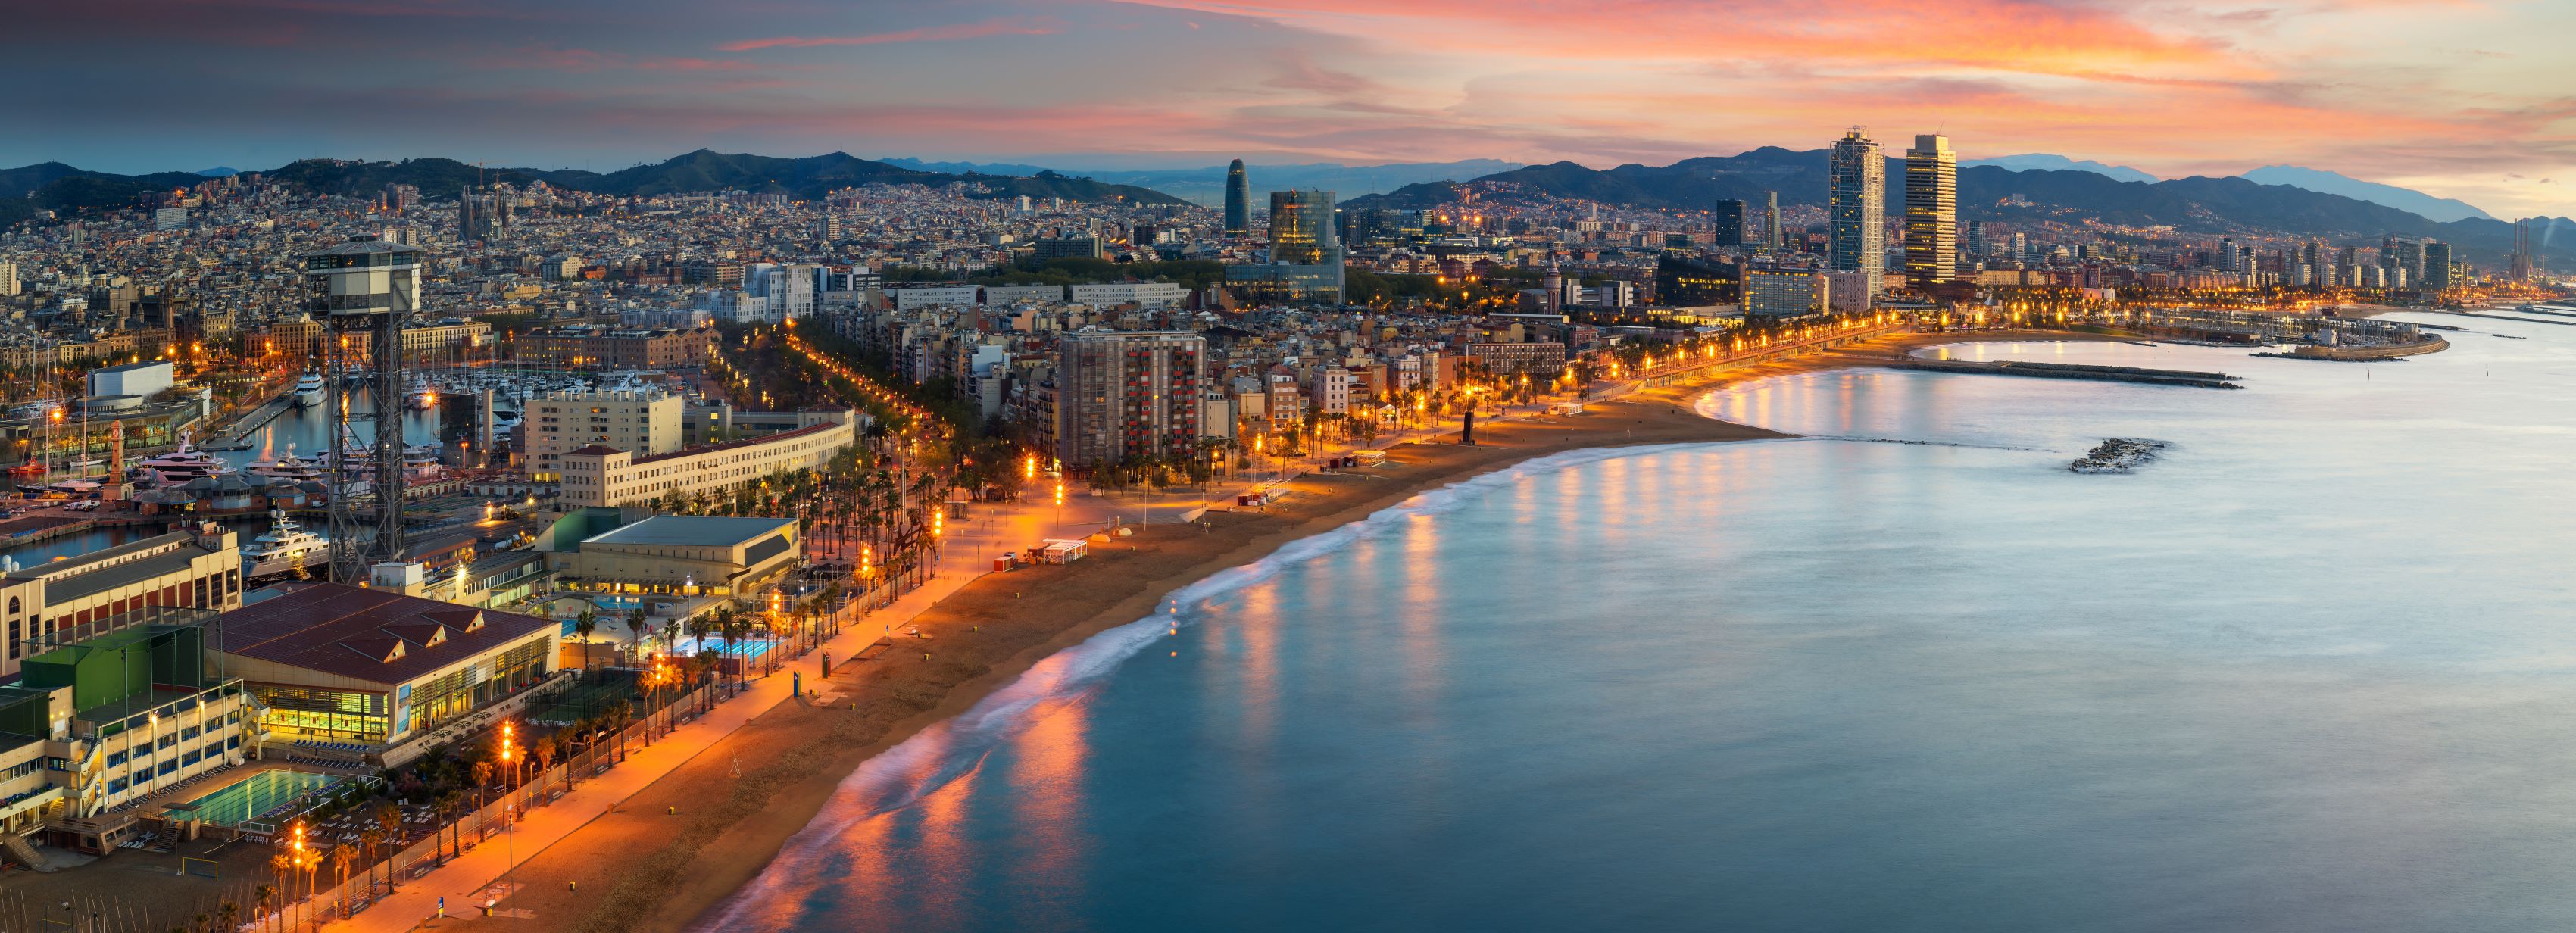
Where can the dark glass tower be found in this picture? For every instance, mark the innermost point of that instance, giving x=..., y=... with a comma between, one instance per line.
x=1728, y=222
x=1238, y=200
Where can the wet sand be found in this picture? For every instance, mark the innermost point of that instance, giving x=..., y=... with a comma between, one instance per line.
x=645, y=868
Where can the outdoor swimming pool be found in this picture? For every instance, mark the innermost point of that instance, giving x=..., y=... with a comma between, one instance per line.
x=746, y=648
x=257, y=794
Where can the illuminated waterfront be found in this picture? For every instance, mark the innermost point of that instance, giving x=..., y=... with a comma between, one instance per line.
x=2303, y=672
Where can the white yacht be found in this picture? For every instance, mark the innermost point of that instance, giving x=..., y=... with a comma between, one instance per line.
x=184, y=464
x=284, y=547
x=289, y=467
x=308, y=390
x=422, y=398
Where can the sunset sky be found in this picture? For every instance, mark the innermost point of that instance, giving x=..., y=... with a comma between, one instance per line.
x=2461, y=99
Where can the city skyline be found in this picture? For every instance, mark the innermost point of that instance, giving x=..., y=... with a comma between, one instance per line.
x=2443, y=99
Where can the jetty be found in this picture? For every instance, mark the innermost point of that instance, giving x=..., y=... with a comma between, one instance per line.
x=2169, y=377
x=237, y=435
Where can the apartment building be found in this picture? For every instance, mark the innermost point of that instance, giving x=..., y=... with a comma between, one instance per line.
x=600, y=475
x=640, y=421
x=1121, y=394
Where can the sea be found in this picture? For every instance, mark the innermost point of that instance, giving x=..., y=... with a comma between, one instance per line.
x=2310, y=669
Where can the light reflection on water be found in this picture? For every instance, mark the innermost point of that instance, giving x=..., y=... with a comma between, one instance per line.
x=2308, y=672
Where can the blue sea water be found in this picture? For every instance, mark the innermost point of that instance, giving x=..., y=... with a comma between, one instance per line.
x=2311, y=670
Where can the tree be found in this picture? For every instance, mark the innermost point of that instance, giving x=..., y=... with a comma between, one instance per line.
x=583, y=625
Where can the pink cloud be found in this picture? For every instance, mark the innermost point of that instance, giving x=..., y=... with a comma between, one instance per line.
x=1006, y=26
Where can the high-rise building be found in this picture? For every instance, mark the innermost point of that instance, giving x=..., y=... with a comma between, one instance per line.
x=2439, y=274
x=2020, y=246
x=1770, y=221
x=1931, y=212
x=1126, y=394
x=8, y=279
x=1727, y=222
x=402, y=197
x=2520, y=266
x=1856, y=208
x=1301, y=228
x=1238, y=200
x=1305, y=251
x=2225, y=258
x=1977, y=239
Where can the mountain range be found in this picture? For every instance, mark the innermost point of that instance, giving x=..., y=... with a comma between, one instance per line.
x=2443, y=209
x=59, y=187
x=2041, y=161
x=1206, y=185
x=1986, y=192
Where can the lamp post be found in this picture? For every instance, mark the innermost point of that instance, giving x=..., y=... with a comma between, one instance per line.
x=509, y=805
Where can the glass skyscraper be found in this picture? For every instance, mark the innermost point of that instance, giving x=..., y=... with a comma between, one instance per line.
x=1856, y=211
x=1931, y=212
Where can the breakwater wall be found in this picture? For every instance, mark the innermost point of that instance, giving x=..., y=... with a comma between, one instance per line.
x=2173, y=377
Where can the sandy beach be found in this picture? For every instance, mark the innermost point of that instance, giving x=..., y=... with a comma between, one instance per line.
x=688, y=841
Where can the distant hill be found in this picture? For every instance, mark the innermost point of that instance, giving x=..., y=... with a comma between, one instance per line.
x=704, y=170
x=220, y=171
x=1206, y=184
x=54, y=186
x=2041, y=161
x=59, y=187
x=2404, y=199
x=1988, y=192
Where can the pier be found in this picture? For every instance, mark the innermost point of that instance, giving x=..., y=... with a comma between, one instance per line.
x=2170, y=377
x=237, y=436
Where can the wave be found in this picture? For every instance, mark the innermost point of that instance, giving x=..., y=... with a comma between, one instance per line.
x=945, y=751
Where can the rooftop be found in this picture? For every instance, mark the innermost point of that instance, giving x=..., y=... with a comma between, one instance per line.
x=729, y=445
x=366, y=634
x=707, y=531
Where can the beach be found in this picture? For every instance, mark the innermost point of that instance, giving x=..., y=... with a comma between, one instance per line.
x=688, y=841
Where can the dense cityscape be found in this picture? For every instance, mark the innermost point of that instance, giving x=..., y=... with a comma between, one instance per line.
x=1873, y=531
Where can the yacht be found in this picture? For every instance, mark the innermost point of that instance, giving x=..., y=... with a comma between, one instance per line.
x=289, y=467
x=420, y=461
x=285, y=546
x=308, y=390
x=422, y=398
x=184, y=464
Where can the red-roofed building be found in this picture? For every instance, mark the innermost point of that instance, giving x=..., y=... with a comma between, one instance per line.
x=388, y=673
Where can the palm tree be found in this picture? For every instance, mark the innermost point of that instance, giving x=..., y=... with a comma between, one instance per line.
x=229, y=911
x=482, y=778
x=389, y=820
x=635, y=621
x=261, y=894
x=341, y=856
x=584, y=624
x=545, y=752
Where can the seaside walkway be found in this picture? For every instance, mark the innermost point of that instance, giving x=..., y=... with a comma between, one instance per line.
x=467, y=881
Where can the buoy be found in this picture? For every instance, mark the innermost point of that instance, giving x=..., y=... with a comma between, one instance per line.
x=1176, y=654
x=675, y=811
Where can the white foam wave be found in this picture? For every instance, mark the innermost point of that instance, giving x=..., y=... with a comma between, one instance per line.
x=945, y=751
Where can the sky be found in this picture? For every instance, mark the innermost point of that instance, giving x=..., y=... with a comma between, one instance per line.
x=2457, y=98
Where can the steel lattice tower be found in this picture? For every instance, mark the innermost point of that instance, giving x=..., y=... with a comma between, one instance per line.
x=362, y=291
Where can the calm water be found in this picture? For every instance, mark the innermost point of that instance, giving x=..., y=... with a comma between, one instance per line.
x=2311, y=671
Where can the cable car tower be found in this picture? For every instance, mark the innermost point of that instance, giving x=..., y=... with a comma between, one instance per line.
x=362, y=291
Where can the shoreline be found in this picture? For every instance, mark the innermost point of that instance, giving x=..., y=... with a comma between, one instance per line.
x=743, y=799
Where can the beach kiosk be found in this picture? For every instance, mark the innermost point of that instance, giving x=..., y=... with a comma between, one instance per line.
x=1063, y=550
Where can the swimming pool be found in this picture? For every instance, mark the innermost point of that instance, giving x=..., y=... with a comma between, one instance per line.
x=746, y=648
x=257, y=794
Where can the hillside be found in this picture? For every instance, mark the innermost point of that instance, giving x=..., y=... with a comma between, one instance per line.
x=55, y=186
